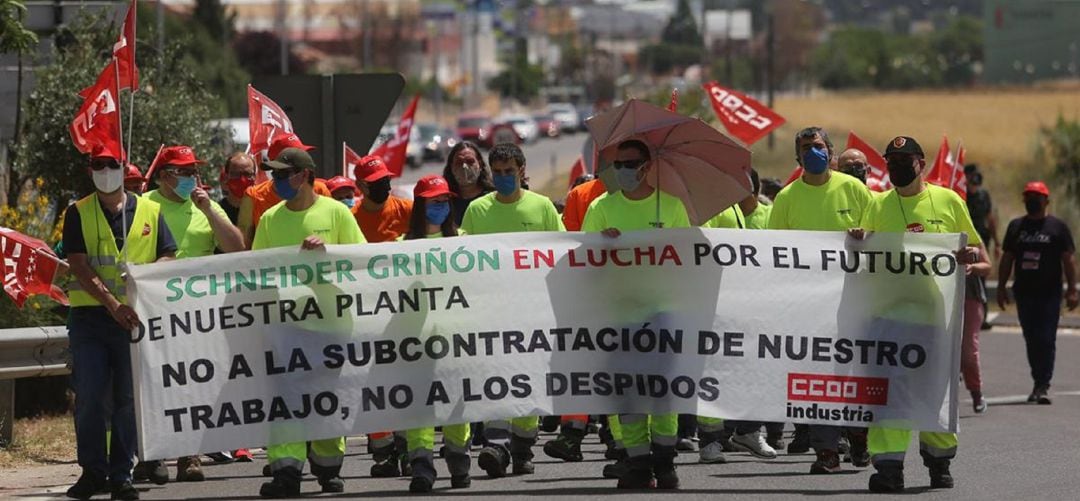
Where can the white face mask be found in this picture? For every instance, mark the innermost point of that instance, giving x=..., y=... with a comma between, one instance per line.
x=108, y=180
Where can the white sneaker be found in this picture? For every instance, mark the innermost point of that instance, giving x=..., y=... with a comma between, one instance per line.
x=755, y=444
x=712, y=454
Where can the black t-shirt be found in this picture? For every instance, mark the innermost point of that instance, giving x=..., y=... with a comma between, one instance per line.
x=230, y=210
x=1037, y=246
x=979, y=206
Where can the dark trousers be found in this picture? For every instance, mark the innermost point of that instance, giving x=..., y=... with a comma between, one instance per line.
x=1039, y=317
x=101, y=375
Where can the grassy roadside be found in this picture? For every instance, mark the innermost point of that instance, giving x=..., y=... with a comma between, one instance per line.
x=40, y=440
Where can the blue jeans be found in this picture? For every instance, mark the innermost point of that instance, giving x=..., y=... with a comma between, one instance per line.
x=101, y=356
x=1039, y=317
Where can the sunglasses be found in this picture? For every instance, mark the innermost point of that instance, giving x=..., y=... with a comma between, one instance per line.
x=284, y=173
x=628, y=164
x=102, y=164
x=180, y=172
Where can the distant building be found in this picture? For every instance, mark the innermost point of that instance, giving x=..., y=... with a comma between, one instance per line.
x=1030, y=40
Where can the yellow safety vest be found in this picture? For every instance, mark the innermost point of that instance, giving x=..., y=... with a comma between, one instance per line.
x=101, y=251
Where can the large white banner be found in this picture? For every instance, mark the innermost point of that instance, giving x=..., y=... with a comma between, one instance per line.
x=281, y=345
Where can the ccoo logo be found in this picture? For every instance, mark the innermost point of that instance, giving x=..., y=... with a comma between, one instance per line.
x=838, y=389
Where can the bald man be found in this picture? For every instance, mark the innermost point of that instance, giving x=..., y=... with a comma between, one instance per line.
x=853, y=163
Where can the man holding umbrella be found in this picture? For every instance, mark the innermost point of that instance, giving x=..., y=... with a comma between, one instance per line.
x=650, y=440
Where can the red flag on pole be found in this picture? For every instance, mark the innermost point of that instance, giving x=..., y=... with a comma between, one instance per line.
x=576, y=171
x=124, y=50
x=744, y=117
x=266, y=122
x=351, y=159
x=948, y=170
x=673, y=106
x=98, y=120
x=393, y=151
x=153, y=168
x=29, y=267
x=877, y=174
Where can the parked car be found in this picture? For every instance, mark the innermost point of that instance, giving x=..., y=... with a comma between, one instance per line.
x=566, y=115
x=584, y=113
x=525, y=127
x=547, y=125
x=435, y=142
x=474, y=127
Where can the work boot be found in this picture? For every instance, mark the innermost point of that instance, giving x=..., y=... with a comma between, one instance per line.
x=619, y=467
x=459, y=465
x=828, y=461
x=154, y=471
x=940, y=477
x=423, y=475
x=124, y=491
x=800, y=443
x=521, y=455
x=889, y=477
x=638, y=474
x=286, y=484
x=663, y=465
x=87, y=485
x=567, y=446
x=189, y=469
x=267, y=470
x=494, y=459
x=1041, y=394
x=332, y=484
x=685, y=444
x=386, y=468
x=858, y=455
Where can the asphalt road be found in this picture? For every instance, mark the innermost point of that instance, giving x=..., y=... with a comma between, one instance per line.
x=1014, y=451
x=545, y=160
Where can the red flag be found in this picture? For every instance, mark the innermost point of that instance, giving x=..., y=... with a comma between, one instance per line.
x=266, y=122
x=124, y=50
x=877, y=174
x=98, y=120
x=29, y=267
x=673, y=106
x=393, y=151
x=948, y=170
x=576, y=171
x=744, y=117
x=153, y=168
x=349, y=165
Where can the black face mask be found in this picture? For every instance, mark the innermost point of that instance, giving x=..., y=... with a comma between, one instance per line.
x=1033, y=206
x=856, y=172
x=379, y=191
x=901, y=172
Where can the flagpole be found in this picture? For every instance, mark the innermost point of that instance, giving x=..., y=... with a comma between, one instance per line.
x=123, y=167
x=131, y=74
x=344, y=162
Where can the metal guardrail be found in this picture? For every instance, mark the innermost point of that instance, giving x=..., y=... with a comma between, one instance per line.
x=33, y=352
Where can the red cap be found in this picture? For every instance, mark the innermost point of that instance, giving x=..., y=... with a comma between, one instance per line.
x=103, y=151
x=338, y=182
x=287, y=141
x=1037, y=187
x=179, y=156
x=431, y=186
x=371, y=168
x=133, y=173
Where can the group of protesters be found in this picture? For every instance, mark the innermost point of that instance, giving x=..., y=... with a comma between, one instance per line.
x=477, y=195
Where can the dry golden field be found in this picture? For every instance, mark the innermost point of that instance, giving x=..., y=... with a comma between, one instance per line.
x=998, y=128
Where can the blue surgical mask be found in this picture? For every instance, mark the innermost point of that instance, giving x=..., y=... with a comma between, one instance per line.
x=627, y=179
x=437, y=212
x=184, y=186
x=349, y=202
x=816, y=160
x=284, y=189
x=505, y=184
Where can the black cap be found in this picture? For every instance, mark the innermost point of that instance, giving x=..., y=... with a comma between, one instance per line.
x=290, y=158
x=904, y=144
